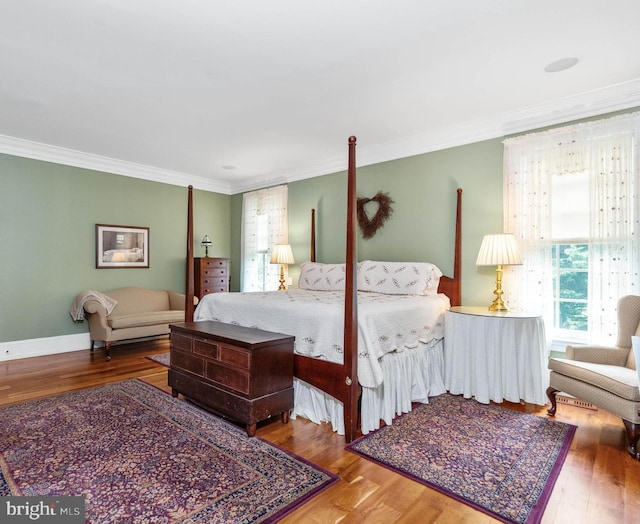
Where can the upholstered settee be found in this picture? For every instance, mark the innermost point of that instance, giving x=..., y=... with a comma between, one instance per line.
x=134, y=313
x=605, y=376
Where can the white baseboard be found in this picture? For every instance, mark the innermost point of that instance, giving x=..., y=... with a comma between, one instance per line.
x=37, y=347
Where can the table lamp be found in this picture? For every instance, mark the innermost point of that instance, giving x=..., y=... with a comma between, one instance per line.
x=282, y=255
x=206, y=243
x=499, y=250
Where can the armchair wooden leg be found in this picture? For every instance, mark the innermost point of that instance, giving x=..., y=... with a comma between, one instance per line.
x=551, y=393
x=107, y=345
x=633, y=434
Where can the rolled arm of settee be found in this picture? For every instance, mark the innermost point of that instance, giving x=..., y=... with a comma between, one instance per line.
x=177, y=301
x=93, y=306
x=97, y=317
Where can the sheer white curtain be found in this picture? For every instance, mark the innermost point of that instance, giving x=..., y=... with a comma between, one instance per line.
x=264, y=223
x=606, y=151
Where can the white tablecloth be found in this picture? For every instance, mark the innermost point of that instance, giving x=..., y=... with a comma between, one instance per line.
x=495, y=356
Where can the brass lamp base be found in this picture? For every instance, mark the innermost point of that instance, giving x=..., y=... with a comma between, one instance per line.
x=282, y=287
x=498, y=304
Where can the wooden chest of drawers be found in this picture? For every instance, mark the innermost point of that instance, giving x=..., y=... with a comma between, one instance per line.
x=240, y=373
x=210, y=275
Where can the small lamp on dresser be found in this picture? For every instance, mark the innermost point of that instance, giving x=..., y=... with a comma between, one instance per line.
x=206, y=243
x=499, y=250
x=282, y=255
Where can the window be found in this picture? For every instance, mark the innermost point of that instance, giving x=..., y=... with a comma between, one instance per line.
x=570, y=255
x=570, y=291
x=264, y=223
x=571, y=200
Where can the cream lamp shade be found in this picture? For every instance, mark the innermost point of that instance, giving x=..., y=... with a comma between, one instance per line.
x=282, y=254
x=499, y=250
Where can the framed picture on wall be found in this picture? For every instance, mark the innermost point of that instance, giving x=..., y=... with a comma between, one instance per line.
x=121, y=246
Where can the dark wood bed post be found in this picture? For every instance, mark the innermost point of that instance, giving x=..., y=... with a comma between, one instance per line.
x=451, y=286
x=341, y=380
x=351, y=303
x=312, y=255
x=188, y=306
x=456, y=299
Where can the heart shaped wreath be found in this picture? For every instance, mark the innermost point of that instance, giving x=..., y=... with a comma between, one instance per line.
x=369, y=226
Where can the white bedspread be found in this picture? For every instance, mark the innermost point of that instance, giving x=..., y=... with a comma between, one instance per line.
x=386, y=323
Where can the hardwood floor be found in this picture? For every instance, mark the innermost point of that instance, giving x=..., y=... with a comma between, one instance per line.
x=599, y=482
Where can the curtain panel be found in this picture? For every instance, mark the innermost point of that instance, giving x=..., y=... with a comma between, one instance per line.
x=606, y=152
x=264, y=223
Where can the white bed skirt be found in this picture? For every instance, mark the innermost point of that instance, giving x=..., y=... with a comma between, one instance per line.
x=411, y=375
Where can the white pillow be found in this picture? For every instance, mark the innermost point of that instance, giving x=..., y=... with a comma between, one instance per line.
x=322, y=277
x=398, y=278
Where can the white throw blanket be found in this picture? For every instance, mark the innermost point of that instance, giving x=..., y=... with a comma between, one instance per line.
x=77, y=308
x=386, y=323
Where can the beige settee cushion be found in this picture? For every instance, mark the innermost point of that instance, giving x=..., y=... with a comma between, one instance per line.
x=618, y=380
x=145, y=319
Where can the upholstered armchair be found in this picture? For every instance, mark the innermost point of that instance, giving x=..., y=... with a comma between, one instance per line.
x=605, y=376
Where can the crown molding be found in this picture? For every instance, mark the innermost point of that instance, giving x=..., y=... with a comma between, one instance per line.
x=70, y=157
x=618, y=97
x=625, y=95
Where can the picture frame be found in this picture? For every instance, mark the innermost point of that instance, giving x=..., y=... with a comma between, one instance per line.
x=122, y=246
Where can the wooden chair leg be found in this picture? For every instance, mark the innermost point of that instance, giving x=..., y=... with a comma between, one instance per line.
x=107, y=345
x=551, y=393
x=633, y=434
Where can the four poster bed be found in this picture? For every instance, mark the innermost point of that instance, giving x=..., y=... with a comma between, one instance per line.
x=390, y=350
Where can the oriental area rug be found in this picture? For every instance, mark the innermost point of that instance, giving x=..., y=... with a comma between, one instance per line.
x=160, y=358
x=136, y=454
x=497, y=460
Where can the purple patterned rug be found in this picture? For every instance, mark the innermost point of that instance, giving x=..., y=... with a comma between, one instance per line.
x=497, y=460
x=160, y=358
x=139, y=455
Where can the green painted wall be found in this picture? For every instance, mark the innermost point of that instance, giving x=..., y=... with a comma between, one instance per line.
x=421, y=228
x=48, y=214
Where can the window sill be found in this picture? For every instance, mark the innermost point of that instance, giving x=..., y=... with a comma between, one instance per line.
x=558, y=348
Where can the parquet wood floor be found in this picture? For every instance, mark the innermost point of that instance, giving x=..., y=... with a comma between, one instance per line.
x=599, y=482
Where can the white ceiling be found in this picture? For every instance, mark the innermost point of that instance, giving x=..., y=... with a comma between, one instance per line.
x=178, y=91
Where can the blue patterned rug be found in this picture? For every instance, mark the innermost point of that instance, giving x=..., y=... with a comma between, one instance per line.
x=137, y=454
x=497, y=460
